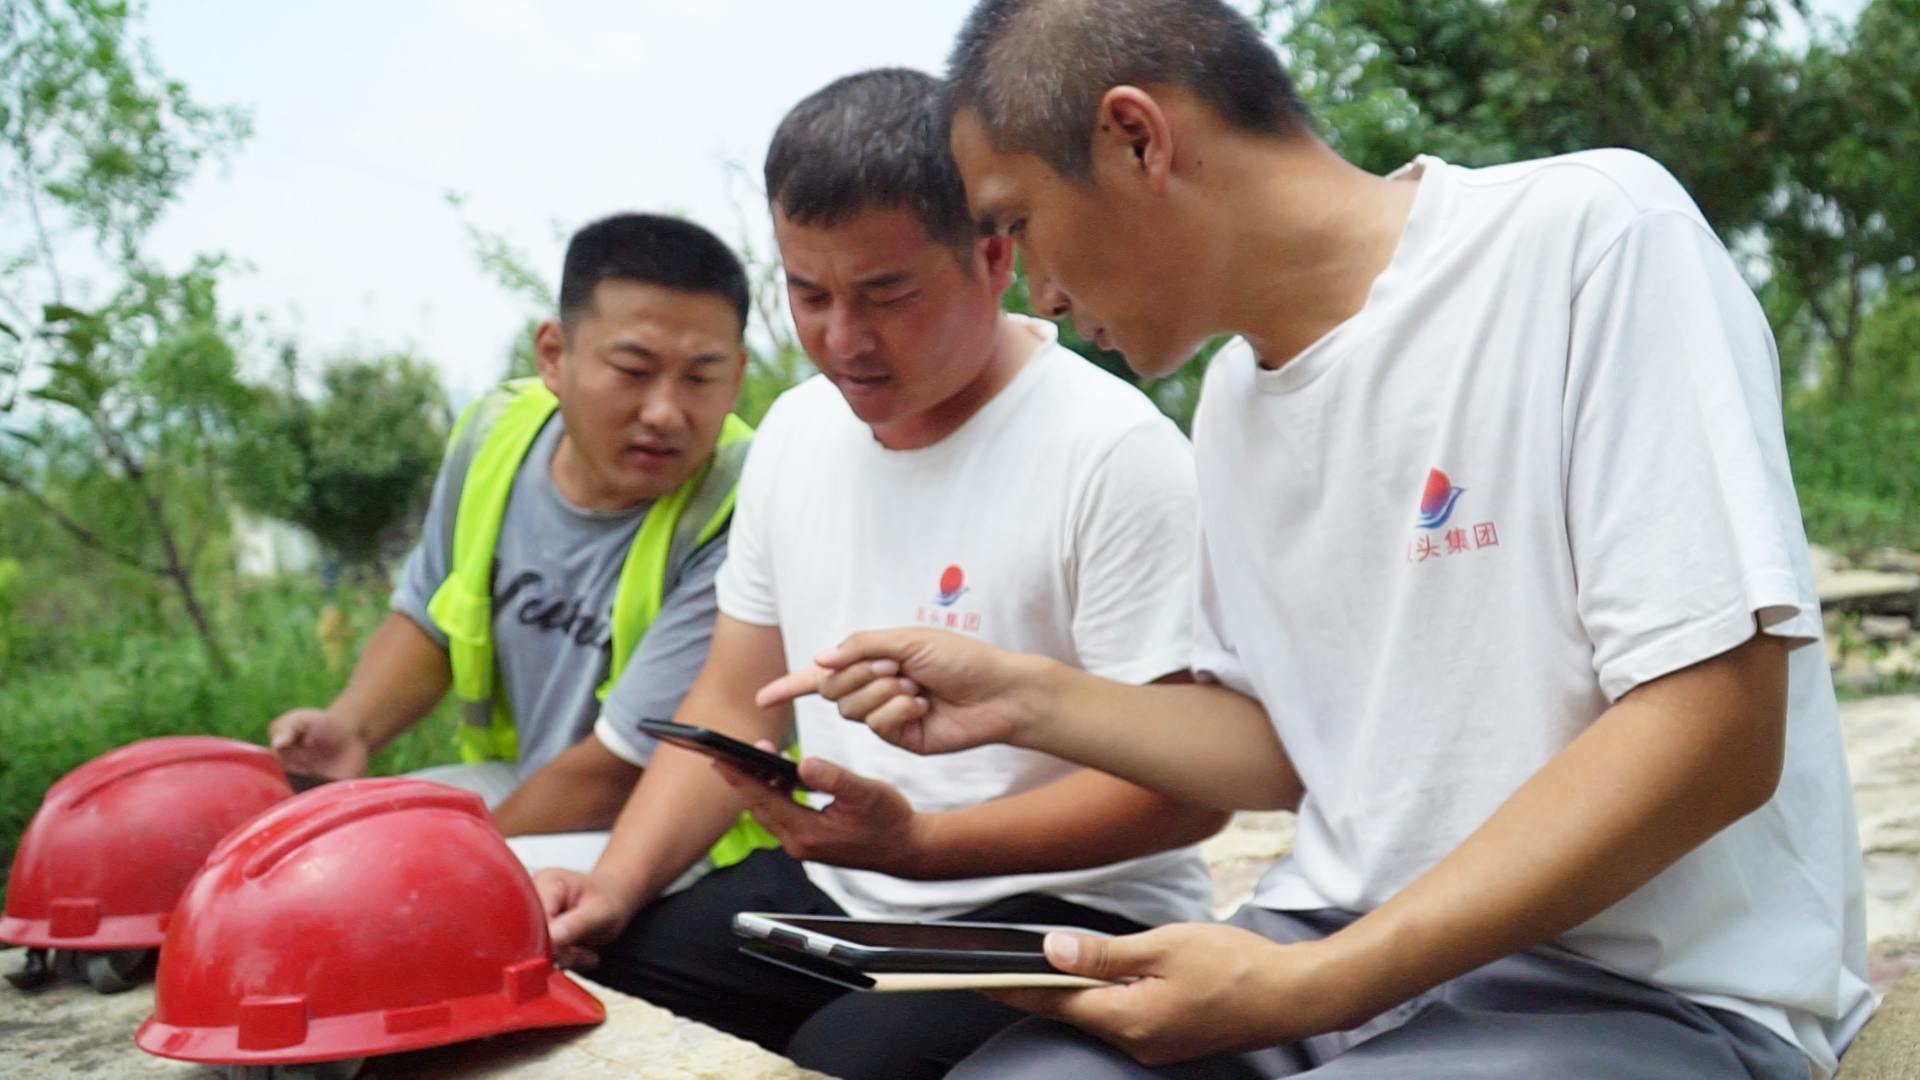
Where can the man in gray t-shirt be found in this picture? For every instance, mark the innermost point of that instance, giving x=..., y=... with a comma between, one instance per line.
x=640, y=373
x=554, y=572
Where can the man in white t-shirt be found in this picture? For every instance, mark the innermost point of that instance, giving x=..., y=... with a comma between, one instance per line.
x=1498, y=539
x=952, y=466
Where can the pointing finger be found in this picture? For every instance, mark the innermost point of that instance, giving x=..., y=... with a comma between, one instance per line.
x=792, y=685
x=868, y=645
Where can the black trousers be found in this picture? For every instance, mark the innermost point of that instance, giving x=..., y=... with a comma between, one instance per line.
x=680, y=953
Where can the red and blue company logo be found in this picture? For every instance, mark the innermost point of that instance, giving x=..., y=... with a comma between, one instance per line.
x=953, y=585
x=1436, y=505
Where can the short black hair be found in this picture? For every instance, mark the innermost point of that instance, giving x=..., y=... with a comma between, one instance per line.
x=1035, y=70
x=651, y=249
x=875, y=139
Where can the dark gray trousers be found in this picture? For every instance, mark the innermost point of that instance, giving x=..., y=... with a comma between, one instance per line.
x=1544, y=1014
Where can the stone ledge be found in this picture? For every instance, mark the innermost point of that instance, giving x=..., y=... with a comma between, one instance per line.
x=70, y=1031
x=1888, y=1048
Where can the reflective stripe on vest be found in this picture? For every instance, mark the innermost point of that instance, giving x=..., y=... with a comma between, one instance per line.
x=485, y=452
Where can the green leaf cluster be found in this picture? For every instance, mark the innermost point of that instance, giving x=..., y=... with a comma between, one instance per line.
x=352, y=463
x=114, y=415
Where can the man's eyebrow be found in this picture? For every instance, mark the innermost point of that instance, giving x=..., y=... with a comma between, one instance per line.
x=635, y=348
x=710, y=358
x=796, y=281
x=885, y=281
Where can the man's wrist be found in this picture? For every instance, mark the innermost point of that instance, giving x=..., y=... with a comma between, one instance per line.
x=353, y=723
x=1039, y=685
x=1363, y=970
x=919, y=856
x=625, y=893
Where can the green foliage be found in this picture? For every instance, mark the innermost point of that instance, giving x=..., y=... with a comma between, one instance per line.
x=90, y=125
x=352, y=465
x=1856, y=460
x=139, y=399
x=1696, y=84
x=128, y=403
x=141, y=680
x=1857, y=467
x=1848, y=217
x=11, y=590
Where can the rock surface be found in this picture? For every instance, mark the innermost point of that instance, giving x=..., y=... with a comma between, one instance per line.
x=69, y=1031
x=1241, y=852
x=1883, y=753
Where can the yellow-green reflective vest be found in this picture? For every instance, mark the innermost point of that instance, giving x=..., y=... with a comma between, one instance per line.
x=483, y=456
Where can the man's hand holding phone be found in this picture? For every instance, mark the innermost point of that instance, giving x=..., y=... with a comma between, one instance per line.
x=868, y=826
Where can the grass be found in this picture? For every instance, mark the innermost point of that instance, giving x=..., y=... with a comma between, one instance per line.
x=152, y=679
x=1857, y=468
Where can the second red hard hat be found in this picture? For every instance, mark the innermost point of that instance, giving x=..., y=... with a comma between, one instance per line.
x=365, y=917
x=116, y=840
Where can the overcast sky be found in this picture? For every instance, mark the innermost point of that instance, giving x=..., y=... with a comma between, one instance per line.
x=545, y=115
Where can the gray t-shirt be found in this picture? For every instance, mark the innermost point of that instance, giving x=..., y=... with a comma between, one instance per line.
x=555, y=568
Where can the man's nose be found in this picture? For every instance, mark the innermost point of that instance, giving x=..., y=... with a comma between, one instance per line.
x=1048, y=298
x=660, y=406
x=847, y=335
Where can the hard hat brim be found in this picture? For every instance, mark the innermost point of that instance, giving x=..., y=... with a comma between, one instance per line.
x=114, y=932
x=386, y=1031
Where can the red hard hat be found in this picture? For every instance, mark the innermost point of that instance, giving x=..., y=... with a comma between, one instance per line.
x=361, y=918
x=115, y=842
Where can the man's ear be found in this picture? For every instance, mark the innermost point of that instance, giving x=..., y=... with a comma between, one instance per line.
x=993, y=257
x=1133, y=135
x=549, y=346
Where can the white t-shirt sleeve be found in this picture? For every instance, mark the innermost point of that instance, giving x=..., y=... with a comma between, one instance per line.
x=745, y=584
x=1681, y=514
x=1132, y=617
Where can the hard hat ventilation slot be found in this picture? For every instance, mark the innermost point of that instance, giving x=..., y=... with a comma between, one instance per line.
x=377, y=801
x=527, y=980
x=73, y=918
x=269, y=1023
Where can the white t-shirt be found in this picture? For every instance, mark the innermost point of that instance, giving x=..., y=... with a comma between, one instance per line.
x=1059, y=519
x=1542, y=465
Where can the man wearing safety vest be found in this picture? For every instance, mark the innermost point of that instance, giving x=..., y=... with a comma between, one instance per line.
x=563, y=586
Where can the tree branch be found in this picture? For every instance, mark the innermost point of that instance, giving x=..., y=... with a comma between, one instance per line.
x=78, y=531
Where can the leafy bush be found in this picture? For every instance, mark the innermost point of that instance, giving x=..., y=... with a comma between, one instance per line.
x=156, y=681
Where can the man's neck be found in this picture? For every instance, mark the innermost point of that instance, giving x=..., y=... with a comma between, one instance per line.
x=1304, y=235
x=1013, y=344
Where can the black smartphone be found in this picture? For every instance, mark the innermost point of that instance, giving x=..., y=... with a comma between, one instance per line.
x=770, y=769
x=887, y=945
